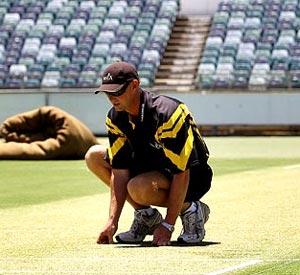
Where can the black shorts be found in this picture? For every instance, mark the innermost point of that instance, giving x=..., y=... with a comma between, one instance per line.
x=200, y=182
x=200, y=179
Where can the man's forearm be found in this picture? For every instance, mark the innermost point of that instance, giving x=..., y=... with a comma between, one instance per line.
x=119, y=180
x=178, y=189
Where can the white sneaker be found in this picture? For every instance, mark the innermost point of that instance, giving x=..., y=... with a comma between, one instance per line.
x=142, y=225
x=193, y=224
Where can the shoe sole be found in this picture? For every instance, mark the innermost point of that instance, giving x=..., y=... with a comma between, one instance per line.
x=119, y=240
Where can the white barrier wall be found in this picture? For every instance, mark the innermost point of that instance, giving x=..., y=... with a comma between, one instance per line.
x=11, y=104
x=198, y=7
x=208, y=109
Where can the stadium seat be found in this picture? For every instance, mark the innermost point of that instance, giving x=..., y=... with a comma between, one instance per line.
x=46, y=37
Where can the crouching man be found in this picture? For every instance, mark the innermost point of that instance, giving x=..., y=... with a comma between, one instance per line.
x=156, y=157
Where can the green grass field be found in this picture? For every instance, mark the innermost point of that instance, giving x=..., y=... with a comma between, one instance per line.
x=52, y=211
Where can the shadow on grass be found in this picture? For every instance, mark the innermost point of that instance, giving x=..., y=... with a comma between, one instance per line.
x=173, y=243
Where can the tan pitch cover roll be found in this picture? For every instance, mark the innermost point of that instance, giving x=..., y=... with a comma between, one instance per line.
x=45, y=133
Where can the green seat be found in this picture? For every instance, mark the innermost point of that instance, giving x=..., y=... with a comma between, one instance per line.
x=95, y=21
x=28, y=61
x=72, y=4
x=32, y=83
x=73, y=31
x=145, y=82
x=3, y=11
x=229, y=52
x=206, y=59
x=220, y=18
x=133, y=11
x=98, y=15
x=94, y=29
x=67, y=82
x=211, y=53
x=144, y=27
x=105, y=3
x=238, y=14
x=263, y=53
x=55, y=67
x=65, y=14
x=34, y=33
x=98, y=61
x=243, y=65
x=46, y=15
x=206, y=81
x=89, y=75
x=226, y=59
x=4, y=4
x=146, y=74
x=79, y=60
x=264, y=46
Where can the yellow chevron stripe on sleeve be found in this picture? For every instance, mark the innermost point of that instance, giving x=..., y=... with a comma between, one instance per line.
x=116, y=146
x=113, y=128
x=181, y=160
x=170, y=128
x=119, y=142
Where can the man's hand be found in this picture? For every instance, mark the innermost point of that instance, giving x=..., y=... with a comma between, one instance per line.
x=161, y=236
x=107, y=233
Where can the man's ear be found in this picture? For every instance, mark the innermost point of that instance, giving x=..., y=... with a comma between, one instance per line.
x=135, y=83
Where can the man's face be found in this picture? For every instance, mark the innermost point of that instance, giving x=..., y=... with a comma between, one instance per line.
x=121, y=102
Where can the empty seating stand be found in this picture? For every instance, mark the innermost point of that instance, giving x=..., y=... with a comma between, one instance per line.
x=68, y=43
x=252, y=44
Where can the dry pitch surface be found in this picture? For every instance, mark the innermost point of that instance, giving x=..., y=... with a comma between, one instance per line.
x=254, y=228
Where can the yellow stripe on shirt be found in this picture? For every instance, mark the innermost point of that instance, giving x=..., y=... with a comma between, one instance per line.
x=116, y=146
x=170, y=128
x=181, y=160
x=113, y=128
x=119, y=142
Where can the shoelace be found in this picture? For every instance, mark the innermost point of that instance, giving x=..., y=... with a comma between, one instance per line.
x=138, y=226
x=189, y=223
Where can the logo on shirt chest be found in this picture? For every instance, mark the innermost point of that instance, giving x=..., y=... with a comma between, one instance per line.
x=156, y=145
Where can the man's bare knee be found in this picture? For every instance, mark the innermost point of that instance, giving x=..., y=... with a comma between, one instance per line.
x=141, y=191
x=95, y=155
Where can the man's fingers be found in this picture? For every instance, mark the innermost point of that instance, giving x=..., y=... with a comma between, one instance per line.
x=110, y=239
x=158, y=242
x=103, y=240
x=161, y=244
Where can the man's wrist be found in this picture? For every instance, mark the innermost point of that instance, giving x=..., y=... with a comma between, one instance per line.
x=169, y=227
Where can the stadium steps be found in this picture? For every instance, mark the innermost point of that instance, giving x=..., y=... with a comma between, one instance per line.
x=179, y=65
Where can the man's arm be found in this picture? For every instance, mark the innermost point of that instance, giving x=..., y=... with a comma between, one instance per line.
x=118, y=191
x=178, y=189
x=177, y=193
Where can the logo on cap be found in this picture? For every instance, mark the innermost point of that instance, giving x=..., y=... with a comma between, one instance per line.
x=108, y=77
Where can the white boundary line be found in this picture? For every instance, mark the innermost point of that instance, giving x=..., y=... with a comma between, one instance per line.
x=235, y=267
x=295, y=166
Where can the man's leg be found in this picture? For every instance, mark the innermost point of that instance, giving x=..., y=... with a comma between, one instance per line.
x=151, y=188
x=198, y=212
x=146, y=189
x=96, y=162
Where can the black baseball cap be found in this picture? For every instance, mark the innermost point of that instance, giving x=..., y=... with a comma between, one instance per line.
x=116, y=76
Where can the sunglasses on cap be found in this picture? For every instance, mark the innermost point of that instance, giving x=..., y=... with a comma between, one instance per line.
x=120, y=91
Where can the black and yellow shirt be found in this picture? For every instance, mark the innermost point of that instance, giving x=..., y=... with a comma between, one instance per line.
x=163, y=137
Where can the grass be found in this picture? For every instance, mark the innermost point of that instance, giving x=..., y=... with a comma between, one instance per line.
x=33, y=182
x=51, y=213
